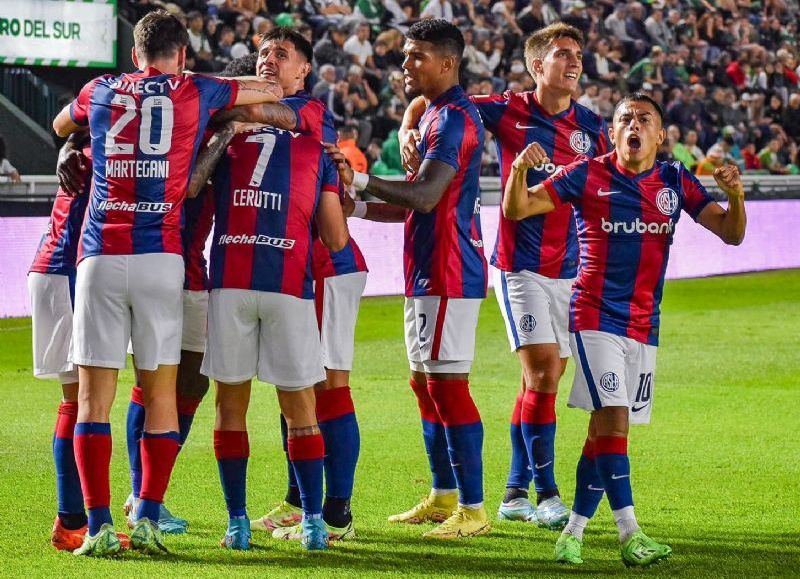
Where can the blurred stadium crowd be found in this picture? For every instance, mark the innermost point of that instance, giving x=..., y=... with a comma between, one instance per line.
x=725, y=71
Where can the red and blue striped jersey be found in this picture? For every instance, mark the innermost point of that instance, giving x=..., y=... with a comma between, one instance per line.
x=544, y=244
x=198, y=218
x=314, y=119
x=625, y=227
x=146, y=129
x=58, y=248
x=443, y=253
x=266, y=190
x=327, y=263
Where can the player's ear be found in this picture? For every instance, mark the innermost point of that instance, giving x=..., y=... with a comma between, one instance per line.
x=662, y=134
x=181, y=59
x=134, y=57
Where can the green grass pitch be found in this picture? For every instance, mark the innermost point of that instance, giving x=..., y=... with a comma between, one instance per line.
x=715, y=475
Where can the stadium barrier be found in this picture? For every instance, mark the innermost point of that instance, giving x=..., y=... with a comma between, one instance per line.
x=771, y=243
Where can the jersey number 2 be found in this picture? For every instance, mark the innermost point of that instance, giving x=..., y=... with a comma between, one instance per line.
x=146, y=144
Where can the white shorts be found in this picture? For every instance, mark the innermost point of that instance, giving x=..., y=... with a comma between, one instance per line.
x=535, y=308
x=122, y=298
x=270, y=335
x=51, y=311
x=341, y=296
x=440, y=333
x=195, y=320
x=613, y=371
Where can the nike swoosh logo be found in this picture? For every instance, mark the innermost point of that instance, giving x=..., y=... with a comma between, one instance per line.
x=619, y=476
x=591, y=488
x=543, y=465
x=523, y=127
x=601, y=193
x=638, y=408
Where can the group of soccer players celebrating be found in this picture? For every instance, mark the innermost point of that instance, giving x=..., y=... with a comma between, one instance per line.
x=580, y=260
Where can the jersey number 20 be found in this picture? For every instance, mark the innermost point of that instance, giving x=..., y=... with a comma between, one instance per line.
x=147, y=145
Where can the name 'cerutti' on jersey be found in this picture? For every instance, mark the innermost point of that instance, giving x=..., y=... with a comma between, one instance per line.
x=625, y=227
x=266, y=191
x=146, y=129
x=544, y=244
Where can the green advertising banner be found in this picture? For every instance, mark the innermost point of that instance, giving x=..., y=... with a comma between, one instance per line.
x=59, y=32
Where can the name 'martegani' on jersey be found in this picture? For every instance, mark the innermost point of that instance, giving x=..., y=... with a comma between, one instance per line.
x=139, y=169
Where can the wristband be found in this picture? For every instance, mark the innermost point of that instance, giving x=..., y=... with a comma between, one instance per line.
x=360, y=210
x=360, y=181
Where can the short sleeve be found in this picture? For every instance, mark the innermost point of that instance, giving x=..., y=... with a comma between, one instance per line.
x=567, y=185
x=79, y=109
x=445, y=135
x=216, y=93
x=310, y=115
x=491, y=108
x=330, y=176
x=695, y=196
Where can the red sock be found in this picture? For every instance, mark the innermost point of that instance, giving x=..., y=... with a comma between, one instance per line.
x=92, y=442
x=334, y=403
x=516, y=414
x=538, y=407
x=159, y=452
x=427, y=409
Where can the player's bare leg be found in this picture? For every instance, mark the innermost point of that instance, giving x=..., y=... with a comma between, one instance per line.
x=306, y=450
x=542, y=368
x=232, y=450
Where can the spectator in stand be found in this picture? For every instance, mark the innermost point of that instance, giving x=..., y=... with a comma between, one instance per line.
x=359, y=47
x=679, y=151
x=791, y=119
x=364, y=102
x=775, y=110
x=7, y=170
x=242, y=33
x=577, y=17
x=598, y=66
x=347, y=145
x=224, y=46
x=648, y=70
x=330, y=49
x=589, y=98
x=604, y=103
x=736, y=70
x=769, y=159
x=199, y=42
x=751, y=161
x=715, y=158
x=394, y=102
x=536, y=15
x=438, y=9
x=326, y=82
x=656, y=27
x=231, y=10
x=369, y=11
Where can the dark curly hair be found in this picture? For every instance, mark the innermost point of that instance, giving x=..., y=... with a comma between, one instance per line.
x=439, y=32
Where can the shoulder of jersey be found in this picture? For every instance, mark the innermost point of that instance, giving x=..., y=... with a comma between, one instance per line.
x=584, y=114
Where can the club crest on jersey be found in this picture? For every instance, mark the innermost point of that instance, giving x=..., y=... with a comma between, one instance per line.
x=667, y=201
x=580, y=142
x=609, y=382
x=527, y=323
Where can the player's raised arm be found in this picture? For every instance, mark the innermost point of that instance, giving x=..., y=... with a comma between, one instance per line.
x=330, y=222
x=520, y=202
x=72, y=165
x=63, y=125
x=727, y=224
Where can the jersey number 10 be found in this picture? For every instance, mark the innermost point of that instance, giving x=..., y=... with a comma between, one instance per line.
x=146, y=144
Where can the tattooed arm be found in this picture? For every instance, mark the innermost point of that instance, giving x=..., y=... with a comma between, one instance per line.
x=257, y=90
x=274, y=114
x=208, y=157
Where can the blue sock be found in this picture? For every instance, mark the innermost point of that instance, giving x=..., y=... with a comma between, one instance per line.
x=614, y=470
x=232, y=449
x=98, y=517
x=134, y=426
x=339, y=427
x=442, y=476
x=588, y=484
x=68, y=482
x=187, y=407
x=292, y=490
x=307, y=454
x=520, y=473
x=464, y=432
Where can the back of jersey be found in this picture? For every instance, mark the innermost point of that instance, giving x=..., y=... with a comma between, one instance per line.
x=266, y=190
x=146, y=129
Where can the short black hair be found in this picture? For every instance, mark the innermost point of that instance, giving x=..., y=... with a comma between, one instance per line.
x=640, y=97
x=285, y=33
x=443, y=34
x=242, y=66
x=159, y=35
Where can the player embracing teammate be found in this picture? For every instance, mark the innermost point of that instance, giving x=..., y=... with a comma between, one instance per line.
x=145, y=129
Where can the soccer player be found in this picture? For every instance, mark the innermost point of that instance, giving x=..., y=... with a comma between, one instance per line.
x=339, y=280
x=145, y=129
x=445, y=274
x=268, y=187
x=627, y=206
x=536, y=259
x=51, y=282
